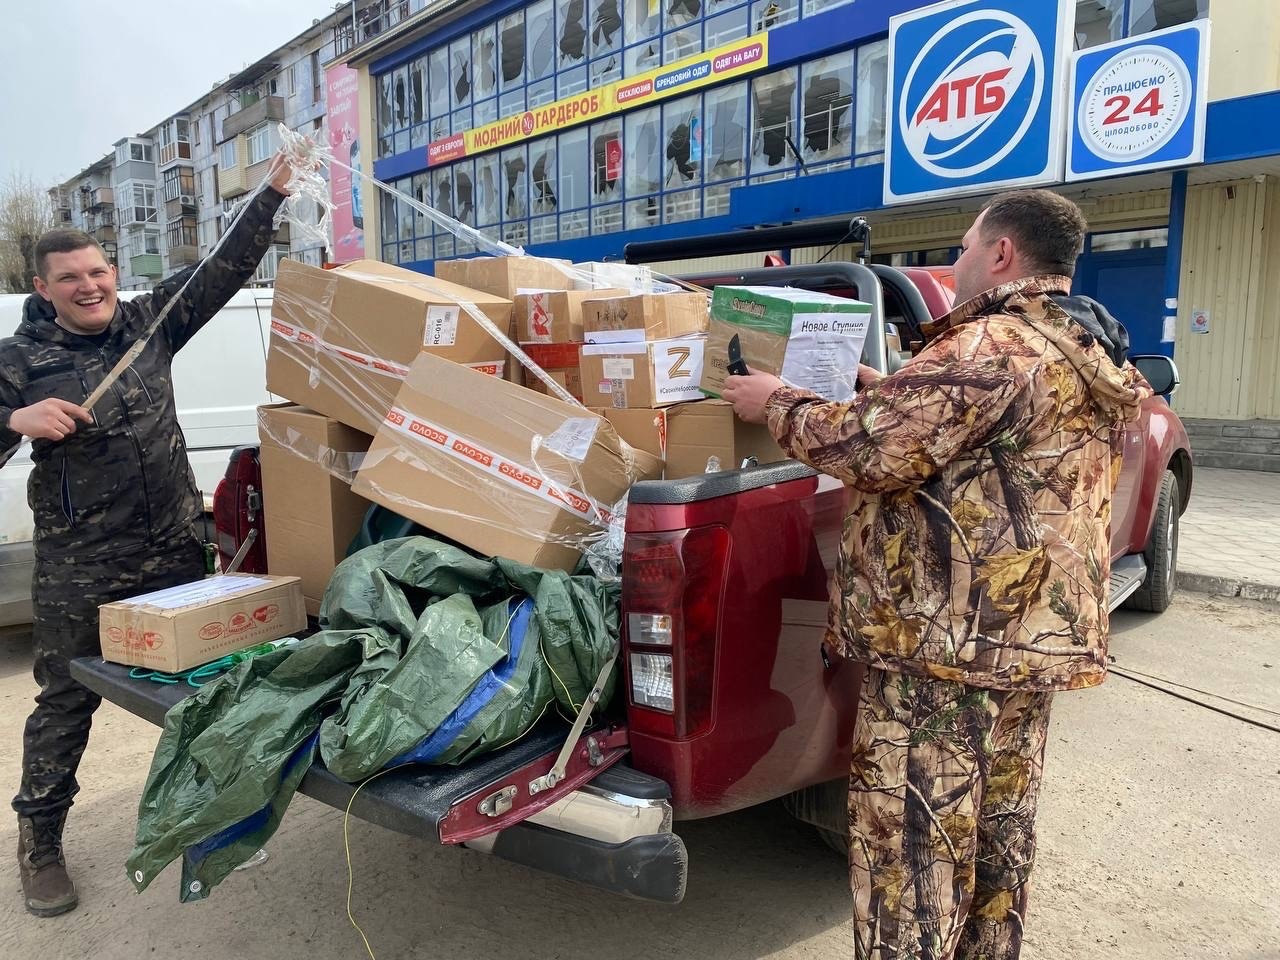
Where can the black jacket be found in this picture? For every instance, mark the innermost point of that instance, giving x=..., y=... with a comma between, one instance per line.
x=121, y=484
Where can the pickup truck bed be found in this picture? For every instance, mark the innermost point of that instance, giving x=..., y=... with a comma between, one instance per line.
x=418, y=800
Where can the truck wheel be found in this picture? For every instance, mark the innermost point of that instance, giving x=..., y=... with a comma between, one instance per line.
x=825, y=806
x=839, y=842
x=1161, y=554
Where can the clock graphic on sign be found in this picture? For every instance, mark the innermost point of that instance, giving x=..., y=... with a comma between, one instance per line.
x=1135, y=103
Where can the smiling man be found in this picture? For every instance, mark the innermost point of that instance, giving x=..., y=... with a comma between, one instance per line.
x=114, y=499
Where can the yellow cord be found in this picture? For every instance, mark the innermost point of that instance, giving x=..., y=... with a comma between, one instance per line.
x=346, y=843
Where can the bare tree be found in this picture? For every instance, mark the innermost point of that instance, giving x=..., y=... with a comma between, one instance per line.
x=24, y=215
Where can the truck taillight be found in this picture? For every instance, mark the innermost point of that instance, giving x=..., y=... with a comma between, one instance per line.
x=672, y=591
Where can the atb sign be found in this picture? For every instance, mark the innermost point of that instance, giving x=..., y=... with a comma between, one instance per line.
x=1139, y=104
x=977, y=96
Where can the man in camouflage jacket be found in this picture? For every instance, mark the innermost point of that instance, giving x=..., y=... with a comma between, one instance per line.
x=114, y=499
x=972, y=577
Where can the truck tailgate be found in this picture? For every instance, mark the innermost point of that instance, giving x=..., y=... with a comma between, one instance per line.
x=426, y=802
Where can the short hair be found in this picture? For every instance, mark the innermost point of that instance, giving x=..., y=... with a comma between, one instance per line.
x=1047, y=229
x=63, y=241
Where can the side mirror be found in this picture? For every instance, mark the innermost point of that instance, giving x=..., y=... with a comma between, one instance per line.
x=893, y=348
x=1161, y=372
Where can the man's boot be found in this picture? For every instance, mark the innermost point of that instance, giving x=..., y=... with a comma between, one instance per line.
x=45, y=883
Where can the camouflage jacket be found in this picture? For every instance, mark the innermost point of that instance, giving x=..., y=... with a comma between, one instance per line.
x=975, y=546
x=123, y=482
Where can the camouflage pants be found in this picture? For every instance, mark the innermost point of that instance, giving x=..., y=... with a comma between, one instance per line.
x=66, y=595
x=942, y=805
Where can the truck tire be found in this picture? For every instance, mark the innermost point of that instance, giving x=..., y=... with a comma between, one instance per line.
x=1161, y=554
x=825, y=806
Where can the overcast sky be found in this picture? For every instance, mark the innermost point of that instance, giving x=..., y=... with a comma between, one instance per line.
x=77, y=75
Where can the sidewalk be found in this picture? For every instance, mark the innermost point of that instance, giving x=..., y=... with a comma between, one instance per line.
x=1229, y=542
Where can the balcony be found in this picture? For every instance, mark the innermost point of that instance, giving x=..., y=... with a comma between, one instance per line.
x=146, y=265
x=248, y=117
x=183, y=255
x=171, y=153
x=183, y=203
x=104, y=233
x=101, y=197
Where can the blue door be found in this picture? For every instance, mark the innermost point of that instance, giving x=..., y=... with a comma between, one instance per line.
x=1129, y=283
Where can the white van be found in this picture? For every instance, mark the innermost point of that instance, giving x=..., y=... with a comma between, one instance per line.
x=218, y=379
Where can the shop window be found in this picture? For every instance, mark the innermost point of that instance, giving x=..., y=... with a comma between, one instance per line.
x=460, y=70
x=1098, y=21
x=1129, y=240
x=641, y=20
x=606, y=26
x=773, y=121
x=442, y=191
x=727, y=27
x=681, y=13
x=417, y=91
x=643, y=132
x=421, y=184
x=572, y=27
x=544, y=190
x=438, y=82
x=570, y=82
x=869, y=105
x=606, y=70
x=511, y=43
x=575, y=186
x=541, y=30
x=606, y=161
x=464, y=192
x=682, y=144
x=817, y=6
x=542, y=92
x=1148, y=15
x=646, y=56
x=826, y=102
x=488, y=190
x=725, y=138
x=484, y=61
x=515, y=181
x=681, y=44
x=386, y=114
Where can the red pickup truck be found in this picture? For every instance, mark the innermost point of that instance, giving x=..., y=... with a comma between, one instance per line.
x=728, y=703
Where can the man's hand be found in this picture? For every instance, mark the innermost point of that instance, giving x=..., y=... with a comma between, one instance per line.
x=868, y=376
x=51, y=419
x=749, y=394
x=280, y=173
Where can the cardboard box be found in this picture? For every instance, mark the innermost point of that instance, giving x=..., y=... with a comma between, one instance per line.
x=650, y=316
x=308, y=464
x=342, y=340
x=505, y=276
x=183, y=627
x=552, y=316
x=520, y=475
x=810, y=340
x=562, y=361
x=642, y=374
x=687, y=435
x=628, y=277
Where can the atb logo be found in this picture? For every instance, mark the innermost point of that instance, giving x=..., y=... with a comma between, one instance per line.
x=971, y=93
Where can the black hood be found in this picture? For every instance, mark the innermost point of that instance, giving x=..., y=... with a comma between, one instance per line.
x=1095, y=318
x=40, y=322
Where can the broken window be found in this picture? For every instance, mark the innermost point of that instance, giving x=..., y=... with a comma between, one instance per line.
x=575, y=189
x=869, y=104
x=725, y=137
x=644, y=56
x=773, y=144
x=826, y=103
x=572, y=36
x=606, y=70
x=681, y=44
x=767, y=14
x=544, y=189
x=511, y=48
x=643, y=132
x=641, y=20
x=606, y=161
x=680, y=13
x=418, y=90
x=515, y=181
x=541, y=30
x=460, y=62
x=682, y=143
x=487, y=190
x=438, y=81
x=1148, y=15
x=606, y=26
x=727, y=27
x=464, y=192
x=484, y=62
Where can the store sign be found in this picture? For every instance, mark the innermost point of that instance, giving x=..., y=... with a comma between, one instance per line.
x=1139, y=104
x=977, y=89
x=673, y=80
x=342, y=90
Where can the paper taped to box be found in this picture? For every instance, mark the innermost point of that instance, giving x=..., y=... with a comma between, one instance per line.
x=613, y=319
x=342, y=340
x=182, y=627
x=810, y=340
x=650, y=374
x=503, y=470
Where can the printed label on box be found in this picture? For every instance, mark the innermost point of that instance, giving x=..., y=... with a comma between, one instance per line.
x=618, y=369
x=442, y=326
x=572, y=439
x=824, y=351
x=677, y=368
x=540, y=318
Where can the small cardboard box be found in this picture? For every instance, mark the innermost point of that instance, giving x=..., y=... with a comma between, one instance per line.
x=308, y=464
x=552, y=316
x=505, y=276
x=688, y=435
x=810, y=340
x=642, y=374
x=185, y=626
x=519, y=475
x=342, y=340
x=649, y=316
x=628, y=277
x=561, y=361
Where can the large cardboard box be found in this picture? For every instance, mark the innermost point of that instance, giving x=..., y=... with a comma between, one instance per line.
x=650, y=316
x=183, y=627
x=342, y=340
x=688, y=435
x=552, y=316
x=642, y=374
x=505, y=276
x=501, y=469
x=810, y=340
x=561, y=361
x=629, y=277
x=308, y=464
